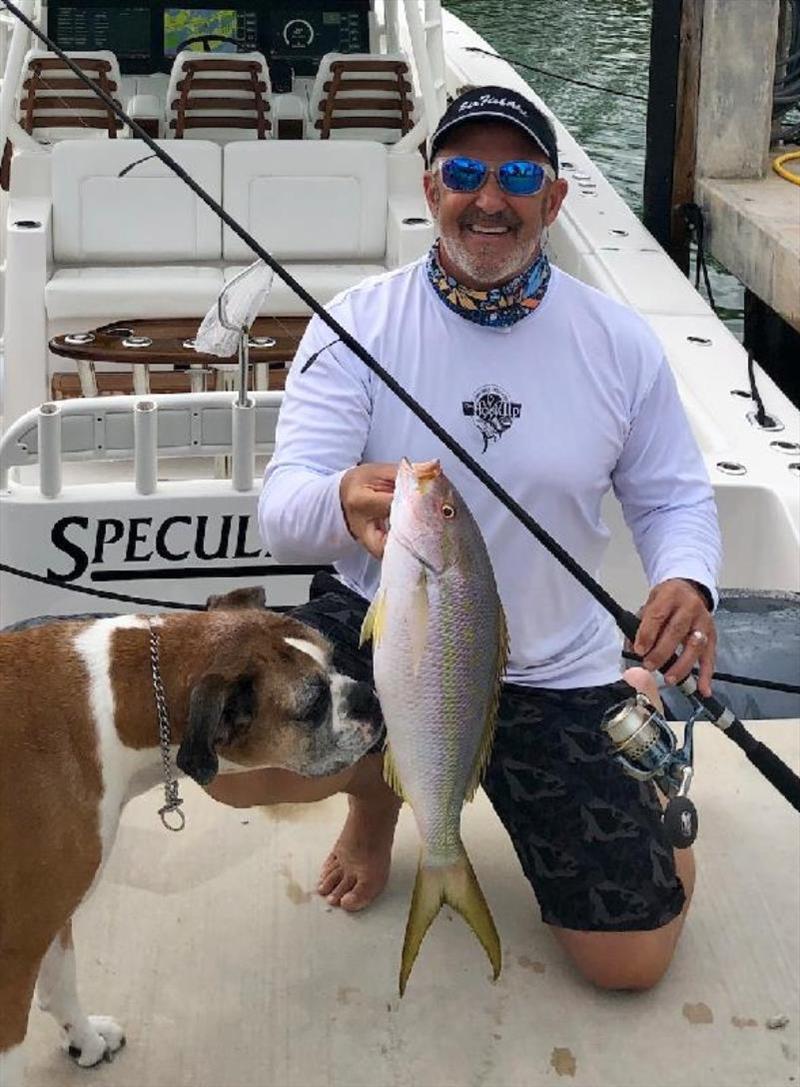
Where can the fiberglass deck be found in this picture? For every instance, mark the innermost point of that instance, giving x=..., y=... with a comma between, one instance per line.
x=227, y=971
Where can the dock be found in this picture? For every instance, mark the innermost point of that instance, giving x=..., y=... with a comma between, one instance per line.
x=718, y=70
x=752, y=214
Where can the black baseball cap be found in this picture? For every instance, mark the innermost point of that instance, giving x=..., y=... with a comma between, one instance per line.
x=498, y=104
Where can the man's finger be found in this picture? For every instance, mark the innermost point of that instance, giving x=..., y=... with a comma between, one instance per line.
x=372, y=505
x=672, y=633
x=707, y=658
x=373, y=537
x=685, y=662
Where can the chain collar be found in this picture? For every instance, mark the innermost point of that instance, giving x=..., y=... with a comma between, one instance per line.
x=172, y=800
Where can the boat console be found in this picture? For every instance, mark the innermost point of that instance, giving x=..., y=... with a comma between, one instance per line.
x=146, y=36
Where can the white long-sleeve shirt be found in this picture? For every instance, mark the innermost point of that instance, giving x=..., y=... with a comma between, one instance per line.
x=575, y=398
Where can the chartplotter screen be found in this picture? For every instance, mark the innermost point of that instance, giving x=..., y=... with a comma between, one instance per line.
x=183, y=23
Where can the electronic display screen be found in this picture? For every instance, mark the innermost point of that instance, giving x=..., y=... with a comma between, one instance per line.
x=302, y=34
x=183, y=23
x=145, y=35
x=123, y=28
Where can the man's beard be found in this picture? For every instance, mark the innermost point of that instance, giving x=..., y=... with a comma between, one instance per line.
x=485, y=268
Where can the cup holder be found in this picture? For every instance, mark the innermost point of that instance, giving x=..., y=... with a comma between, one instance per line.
x=415, y=221
x=27, y=224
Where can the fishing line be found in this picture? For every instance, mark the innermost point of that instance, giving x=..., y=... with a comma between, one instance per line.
x=765, y=760
x=44, y=579
x=556, y=75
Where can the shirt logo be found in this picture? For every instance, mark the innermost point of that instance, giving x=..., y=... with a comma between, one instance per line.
x=492, y=411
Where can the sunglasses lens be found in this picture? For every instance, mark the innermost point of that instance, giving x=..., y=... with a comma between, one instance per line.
x=463, y=174
x=521, y=178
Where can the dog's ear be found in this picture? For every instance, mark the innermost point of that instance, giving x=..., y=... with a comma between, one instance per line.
x=253, y=596
x=219, y=710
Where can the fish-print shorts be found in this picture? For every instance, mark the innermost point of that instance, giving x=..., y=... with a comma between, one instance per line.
x=588, y=836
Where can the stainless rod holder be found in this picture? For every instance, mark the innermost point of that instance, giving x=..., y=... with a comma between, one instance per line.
x=145, y=444
x=243, y=435
x=49, y=438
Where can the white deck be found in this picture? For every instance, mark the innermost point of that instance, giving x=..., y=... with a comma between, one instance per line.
x=226, y=970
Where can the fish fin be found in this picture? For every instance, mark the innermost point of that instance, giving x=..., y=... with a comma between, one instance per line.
x=391, y=774
x=374, y=620
x=457, y=885
x=490, y=725
x=419, y=621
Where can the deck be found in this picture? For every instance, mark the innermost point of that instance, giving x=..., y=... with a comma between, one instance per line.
x=226, y=970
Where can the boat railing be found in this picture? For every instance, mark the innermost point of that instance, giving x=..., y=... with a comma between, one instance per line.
x=142, y=430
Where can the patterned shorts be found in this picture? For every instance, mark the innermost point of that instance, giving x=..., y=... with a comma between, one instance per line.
x=588, y=837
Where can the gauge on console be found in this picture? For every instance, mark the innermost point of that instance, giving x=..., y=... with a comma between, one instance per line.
x=298, y=33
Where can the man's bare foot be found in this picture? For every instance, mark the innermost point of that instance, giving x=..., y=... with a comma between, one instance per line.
x=356, y=870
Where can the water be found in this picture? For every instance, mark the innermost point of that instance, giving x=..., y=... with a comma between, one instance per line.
x=606, y=42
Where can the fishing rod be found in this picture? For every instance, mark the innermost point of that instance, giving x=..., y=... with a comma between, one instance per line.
x=181, y=605
x=643, y=741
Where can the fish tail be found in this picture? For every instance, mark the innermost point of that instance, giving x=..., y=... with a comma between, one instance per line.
x=457, y=885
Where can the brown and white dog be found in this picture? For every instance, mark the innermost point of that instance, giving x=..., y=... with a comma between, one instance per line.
x=79, y=735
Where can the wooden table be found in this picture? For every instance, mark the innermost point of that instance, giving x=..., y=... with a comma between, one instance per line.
x=146, y=342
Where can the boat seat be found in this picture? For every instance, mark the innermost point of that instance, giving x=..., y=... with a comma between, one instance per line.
x=219, y=96
x=334, y=213
x=323, y=281
x=363, y=96
x=122, y=237
x=119, y=242
x=54, y=104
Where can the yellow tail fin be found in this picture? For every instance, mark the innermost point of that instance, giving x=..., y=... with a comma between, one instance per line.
x=457, y=885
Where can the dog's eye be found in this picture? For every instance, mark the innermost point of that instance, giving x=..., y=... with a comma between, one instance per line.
x=316, y=704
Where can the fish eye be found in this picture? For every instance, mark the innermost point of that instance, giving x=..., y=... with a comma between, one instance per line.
x=448, y=511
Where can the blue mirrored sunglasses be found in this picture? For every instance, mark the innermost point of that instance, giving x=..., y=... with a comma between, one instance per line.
x=517, y=178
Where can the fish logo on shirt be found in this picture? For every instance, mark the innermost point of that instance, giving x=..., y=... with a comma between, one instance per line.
x=492, y=411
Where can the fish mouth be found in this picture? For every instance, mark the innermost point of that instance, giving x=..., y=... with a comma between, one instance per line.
x=424, y=473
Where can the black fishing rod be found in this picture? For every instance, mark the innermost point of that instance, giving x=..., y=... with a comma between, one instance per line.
x=660, y=743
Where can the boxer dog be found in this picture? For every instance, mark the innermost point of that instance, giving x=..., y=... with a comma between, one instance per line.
x=79, y=735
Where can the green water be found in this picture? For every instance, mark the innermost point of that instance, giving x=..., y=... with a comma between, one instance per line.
x=606, y=42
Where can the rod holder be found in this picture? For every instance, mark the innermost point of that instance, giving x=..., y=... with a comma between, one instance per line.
x=49, y=440
x=243, y=433
x=145, y=445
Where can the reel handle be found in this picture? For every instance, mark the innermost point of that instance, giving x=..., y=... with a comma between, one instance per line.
x=680, y=822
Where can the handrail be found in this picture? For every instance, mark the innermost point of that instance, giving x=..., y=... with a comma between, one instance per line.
x=419, y=45
x=20, y=42
x=140, y=429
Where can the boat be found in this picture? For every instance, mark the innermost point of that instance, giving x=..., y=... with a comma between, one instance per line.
x=126, y=482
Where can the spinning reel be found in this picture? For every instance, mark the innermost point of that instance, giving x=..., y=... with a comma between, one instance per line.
x=647, y=749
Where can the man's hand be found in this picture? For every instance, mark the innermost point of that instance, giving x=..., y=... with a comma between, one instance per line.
x=675, y=615
x=366, y=496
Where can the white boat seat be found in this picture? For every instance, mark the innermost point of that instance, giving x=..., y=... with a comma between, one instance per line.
x=54, y=104
x=307, y=201
x=147, y=218
x=121, y=237
x=98, y=294
x=323, y=281
x=117, y=203
x=221, y=96
x=363, y=96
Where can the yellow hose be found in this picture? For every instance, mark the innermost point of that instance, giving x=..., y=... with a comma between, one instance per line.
x=779, y=168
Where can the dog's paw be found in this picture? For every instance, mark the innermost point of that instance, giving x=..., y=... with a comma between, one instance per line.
x=99, y=1041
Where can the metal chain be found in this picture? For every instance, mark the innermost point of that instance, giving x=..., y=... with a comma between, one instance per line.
x=172, y=800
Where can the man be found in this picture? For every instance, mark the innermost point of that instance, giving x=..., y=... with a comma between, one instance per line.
x=563, y=393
